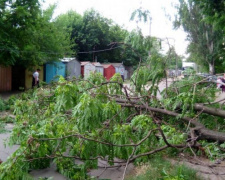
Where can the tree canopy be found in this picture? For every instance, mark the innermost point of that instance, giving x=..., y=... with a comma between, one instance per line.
x=205, y=41
x=201, y=19
x=28, y=34
x=213, y=11
x=93, y=34
x=98, y=38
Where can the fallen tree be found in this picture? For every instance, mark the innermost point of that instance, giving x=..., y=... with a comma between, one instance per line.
x=94, y=119
x=199, y=129
x=97, y=119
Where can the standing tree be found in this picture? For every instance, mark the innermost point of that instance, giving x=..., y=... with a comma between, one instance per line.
x=205, y=40
x=96, y=37
x=174, y=60
x=214, y=12
x=92, y=35
x=28, y=35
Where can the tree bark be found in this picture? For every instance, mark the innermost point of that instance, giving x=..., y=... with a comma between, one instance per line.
x=200, y=130
x=210, y=110
x=211, y=68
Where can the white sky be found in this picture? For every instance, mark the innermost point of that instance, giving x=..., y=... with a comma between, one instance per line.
x=120, y=12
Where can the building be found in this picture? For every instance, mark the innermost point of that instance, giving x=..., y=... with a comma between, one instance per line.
x=29, y=76
x=109, y=71
x=73, y=67
x=86, y=69
x=5, y=78
x=53, y=70
x=22, y=78
x=119, y=67
x=98, y=67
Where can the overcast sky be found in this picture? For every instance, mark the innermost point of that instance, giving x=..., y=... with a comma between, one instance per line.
x=120, y=12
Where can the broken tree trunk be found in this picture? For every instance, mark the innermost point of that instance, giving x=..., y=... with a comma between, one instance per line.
x=200, y=130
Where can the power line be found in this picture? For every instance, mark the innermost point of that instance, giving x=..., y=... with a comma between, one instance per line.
x=48, y=52
x=99, y=50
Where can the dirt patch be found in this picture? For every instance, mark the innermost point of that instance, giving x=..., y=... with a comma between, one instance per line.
x=114, y=173
x=205, y=168
x=5, y=114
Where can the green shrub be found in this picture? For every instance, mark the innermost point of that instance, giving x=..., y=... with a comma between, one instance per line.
x=2, y=105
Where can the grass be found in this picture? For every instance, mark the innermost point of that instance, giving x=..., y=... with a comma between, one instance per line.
x=2, y=128
x=3, y=105
x=6, y=119
x=160, y=169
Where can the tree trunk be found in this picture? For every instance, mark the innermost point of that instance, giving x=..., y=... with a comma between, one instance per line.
x=200, y=130
x=210, y=110
x=211, y=68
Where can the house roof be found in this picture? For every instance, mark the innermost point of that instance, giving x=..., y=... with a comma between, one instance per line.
x=83, y=63
x=97, y=64
x=106, y=65
x=117, y=64
x=68, y=59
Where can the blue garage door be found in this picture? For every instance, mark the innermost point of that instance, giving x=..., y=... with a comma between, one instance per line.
x=54, y=70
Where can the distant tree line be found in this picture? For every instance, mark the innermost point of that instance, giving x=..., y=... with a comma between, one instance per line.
x=31, y=36
x=27, y=34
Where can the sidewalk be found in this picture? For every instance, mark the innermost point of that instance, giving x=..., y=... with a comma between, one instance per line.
x=6, y=95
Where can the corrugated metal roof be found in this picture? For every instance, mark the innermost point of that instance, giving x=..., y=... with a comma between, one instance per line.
x=116, y=64
x=97, y=64
x=68, y=59
x=84, y=63
x=106, y=65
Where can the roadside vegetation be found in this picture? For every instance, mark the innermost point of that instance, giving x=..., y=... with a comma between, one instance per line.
x=94, y=118
x=158, y=168
x=3, y=105
x=5, y=113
